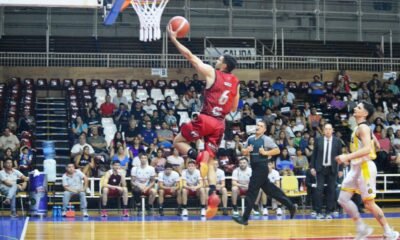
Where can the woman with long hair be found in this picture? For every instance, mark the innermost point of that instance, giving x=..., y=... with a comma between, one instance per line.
x=85, y=162
x=159, y=161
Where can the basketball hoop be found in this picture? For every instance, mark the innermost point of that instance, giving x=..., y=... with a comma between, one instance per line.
x=149, y=12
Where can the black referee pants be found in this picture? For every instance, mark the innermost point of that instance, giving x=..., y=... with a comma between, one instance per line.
x=259, y=179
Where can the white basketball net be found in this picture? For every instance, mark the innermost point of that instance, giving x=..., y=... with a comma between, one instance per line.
x=149, y=12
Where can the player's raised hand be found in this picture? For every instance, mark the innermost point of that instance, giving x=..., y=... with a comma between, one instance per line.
x=172, y=34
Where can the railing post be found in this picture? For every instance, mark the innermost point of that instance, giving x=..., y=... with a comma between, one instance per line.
x=108, y=60
x=337, y=63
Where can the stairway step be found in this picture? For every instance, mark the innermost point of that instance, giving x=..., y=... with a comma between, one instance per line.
x=56, y=148
x=61, y=158
x=51, y=134
x=50, y=99
x=51, y=121
x=51, y=109
x=50, y=127
x=49, y=115
x=55, y=141
x=52, y=103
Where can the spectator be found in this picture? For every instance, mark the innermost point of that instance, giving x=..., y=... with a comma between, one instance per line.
x=170, y=118
x=133, y=100
x=117, y=141
x=168, y=184
x=244, y=90
x=132, y=132
x=121, y=117
x=9, y=140
x=165, y=136
x=114, y=185
x=284, y=162
x=25, y=160
x=94, y=119
x=26, y=122
x=167, y=106
x=85, y=162
x=9, y=185
x=77, y=149
x=258, y=108
x=337, y=103
x=300, y=120
x=176, y=161
x=97, y=142
x=267, y=100
x=396, y=125
x=143, y=180
x=79, y=127
x=377, y=100
x=195, y=103
x=285, y=107
x=183, y=86
x=374, y=84
x=148, y=134
x=342, y=85
x=123, y=156
x=289, y=95
x=310, y=147
x=150, y=107
x=12, y=125
x=240, y=182
x=183, y=103
x=379, y=132
x=363, y=92
x=350, y=104
x=107, y=108
x=378, y=53
x=274, y=178
x=192, y=186
x=393, y=87
x=251, y=99
x=391, y=115
x=117, y=100
x=276, y=99
x=268, y=117
x=278, y=85
x=300, y=163
x=151, y=151
x=314, y=119
x=311, y=183
x=248, y=117
x=136, y=147
x=307, y=109
x=282, y=140
x=137, y=111
x=72, y=182
x=379, y=114
x=156, y=119
x=159, y=161
x=317, y=89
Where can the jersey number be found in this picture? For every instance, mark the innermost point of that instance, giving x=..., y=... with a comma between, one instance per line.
x=216, y=111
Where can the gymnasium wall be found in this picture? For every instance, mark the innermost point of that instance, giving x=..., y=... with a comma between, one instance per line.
x=145, y=73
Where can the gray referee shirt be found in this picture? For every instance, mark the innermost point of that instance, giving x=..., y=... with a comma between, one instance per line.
x=263, y=141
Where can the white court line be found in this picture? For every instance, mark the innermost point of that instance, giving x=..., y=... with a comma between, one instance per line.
x=24, y=229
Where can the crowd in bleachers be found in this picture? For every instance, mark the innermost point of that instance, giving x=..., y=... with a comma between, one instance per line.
x=118, y=122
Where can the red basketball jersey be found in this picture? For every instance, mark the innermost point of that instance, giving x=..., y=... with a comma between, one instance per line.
x=218, y=99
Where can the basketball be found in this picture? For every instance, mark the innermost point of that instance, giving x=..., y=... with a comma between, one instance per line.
x=211, y=212
x=180, y=25
x=213, y=201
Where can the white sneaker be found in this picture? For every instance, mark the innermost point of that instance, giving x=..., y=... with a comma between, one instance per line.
x=392, y=235
x=313, y=214
x=265, y=212
x=185, y=212
x=363, y=232
x=256, y=213
x=88, y=191
x=203, y=212
x=85, y=214
x=235, y=213
x=279, y=212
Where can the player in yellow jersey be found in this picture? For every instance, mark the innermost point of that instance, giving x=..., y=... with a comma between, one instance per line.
x=362, y=175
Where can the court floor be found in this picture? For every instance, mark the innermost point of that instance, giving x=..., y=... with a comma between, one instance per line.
x=193, y=227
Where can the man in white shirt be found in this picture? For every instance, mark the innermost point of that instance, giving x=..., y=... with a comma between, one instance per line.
x=220, y=187
x=120, y=98
x=240, y=182
x=149, y=107
x=9, y=186
x=176, y=161
x=143, y=181
x=289, y=95
x=396, y=124
x=192, y=186
x=77, y=149
x=72, y=183
x=168, y=184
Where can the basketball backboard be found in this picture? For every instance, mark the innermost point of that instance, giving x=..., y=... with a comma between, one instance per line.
x=53, y=3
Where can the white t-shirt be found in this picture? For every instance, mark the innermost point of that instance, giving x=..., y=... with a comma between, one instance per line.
x=220, y=176
x=192, y=179
x=136, y=162
x=395, y=127
x=169, y=181
x=175, y=161
x=242, y=176
x=274, y=176
x=149, y=109
x=143, y=175
x=77, y=148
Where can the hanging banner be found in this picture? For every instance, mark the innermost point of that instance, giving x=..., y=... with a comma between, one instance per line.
x=243, y=55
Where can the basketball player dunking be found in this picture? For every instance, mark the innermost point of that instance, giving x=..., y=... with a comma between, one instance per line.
x=362, y=175
x=220, y=98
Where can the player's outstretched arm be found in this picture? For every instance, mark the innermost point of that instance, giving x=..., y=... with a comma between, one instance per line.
x=236, y=100
x=204, y=69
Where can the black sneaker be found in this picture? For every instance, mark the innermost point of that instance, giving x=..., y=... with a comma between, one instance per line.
x=161, y=211
x=240, y=220
x=225, y=212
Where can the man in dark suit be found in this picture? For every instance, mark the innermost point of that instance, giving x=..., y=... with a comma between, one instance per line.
x=326, y=170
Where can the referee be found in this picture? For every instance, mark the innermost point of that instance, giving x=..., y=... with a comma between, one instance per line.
x=259, y=178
